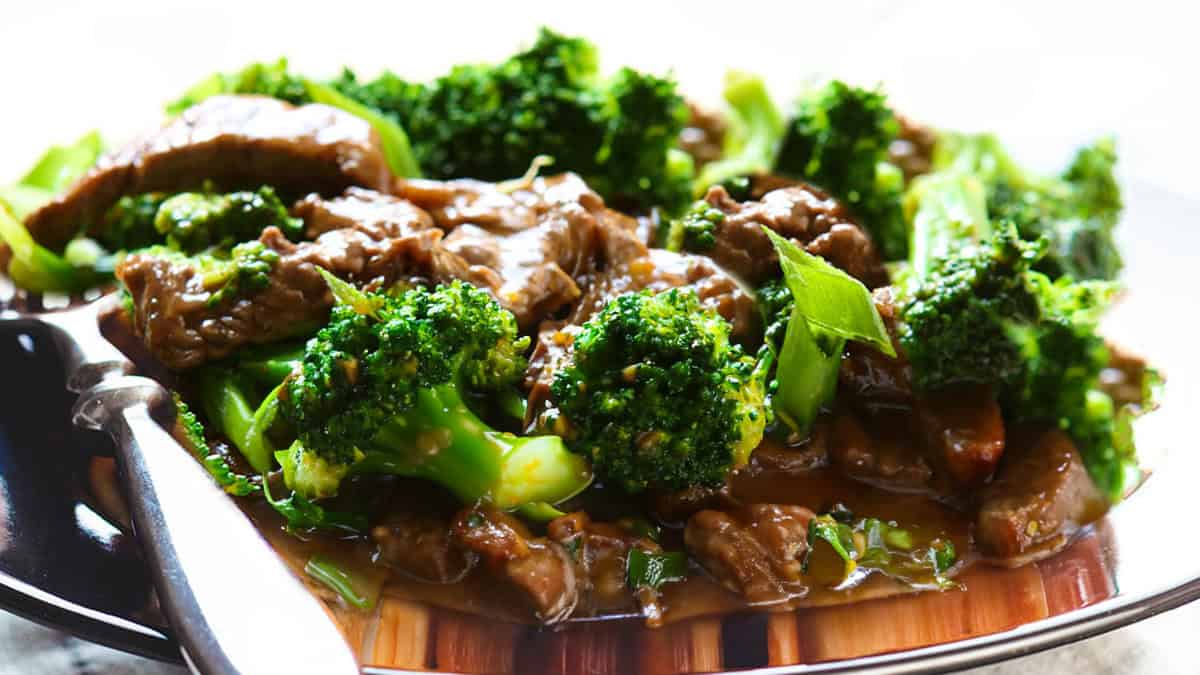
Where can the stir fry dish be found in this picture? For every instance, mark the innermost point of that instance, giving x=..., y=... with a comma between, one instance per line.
x=544, y=342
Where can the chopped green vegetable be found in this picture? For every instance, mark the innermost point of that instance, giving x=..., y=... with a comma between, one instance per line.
x=302, y=514
x=357, y=590
x=827, y=307
x=233, y=483
x=752, y=142
x=396, y=147
x=645, y=569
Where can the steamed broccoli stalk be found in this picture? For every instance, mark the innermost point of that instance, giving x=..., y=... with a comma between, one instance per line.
x=217, y=466
x=386, y=387
x=490, y=121
x=838, y=139
x=809, y=319
x=657, y=396
x=757, y=128
x=228, y=406
x=1076, y=211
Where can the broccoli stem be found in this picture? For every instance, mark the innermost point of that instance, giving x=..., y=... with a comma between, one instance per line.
x=269, y=367
x=442, y=440
x=226, y=405
x=947, y=212
x=761, y=128
x=807, y=373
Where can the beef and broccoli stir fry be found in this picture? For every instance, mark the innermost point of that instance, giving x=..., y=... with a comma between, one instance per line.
x=567, y=339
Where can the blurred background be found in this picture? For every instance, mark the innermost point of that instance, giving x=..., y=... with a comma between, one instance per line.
x=1046, y=76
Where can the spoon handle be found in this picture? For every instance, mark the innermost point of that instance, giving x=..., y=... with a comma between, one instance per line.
x=232, y=602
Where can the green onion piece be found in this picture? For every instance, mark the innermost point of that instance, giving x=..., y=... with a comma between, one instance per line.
x=644, y=569
x=346, y=294
x=354, y=589
x=831, y=301
x=840, y=538
x=303, y=514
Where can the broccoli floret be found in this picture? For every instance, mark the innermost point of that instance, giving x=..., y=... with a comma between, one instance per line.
x=656, y=395
x=489, y=121
x=195, y=221
x=956, y=323
x=129, y=224
x=386, y=386
x=984, y=315
x=696, y=229
x=1076, y=212
x=194, y=436
x=838, y=139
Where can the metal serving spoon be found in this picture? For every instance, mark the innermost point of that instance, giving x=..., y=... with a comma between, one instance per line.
x=257, y=619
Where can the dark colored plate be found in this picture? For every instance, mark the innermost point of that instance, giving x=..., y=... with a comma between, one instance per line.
x=63, y=565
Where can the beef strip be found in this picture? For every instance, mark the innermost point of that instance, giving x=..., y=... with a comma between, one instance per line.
x=422, y=546
x=1041, y=495
x=236, y=142
x=530, y=246
x=676, y=507
x=964, y=430
x=879, y=453
x=755, y=551
x=802, y=213
x=868, y=375
x=704, y=136
x=912, y=150
x=541, y=569
x=171, y=298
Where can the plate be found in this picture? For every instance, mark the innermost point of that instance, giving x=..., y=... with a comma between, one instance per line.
x=65, y=566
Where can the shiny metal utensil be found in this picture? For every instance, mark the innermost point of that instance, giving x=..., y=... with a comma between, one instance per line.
x=252, y=617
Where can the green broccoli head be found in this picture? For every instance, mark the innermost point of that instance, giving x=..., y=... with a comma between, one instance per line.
x=1076, y=212
x=984, y=315
x=489, y=121
x=194, y=221
x=386, y=386
x=656, y=395
x=838, y=139
x=362, y=359
x=956, y=322
x=696, y=229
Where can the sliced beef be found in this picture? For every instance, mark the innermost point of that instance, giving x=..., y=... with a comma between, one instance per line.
x=541, y=569
x=422, y=546
x=799, y=459
x=530, y=244
x=880, y=452
x=704, y=136
x=964, y=430
x=678, y=506
x=1124, y=378
x=377, y=215
x=173, y=304
x=802, y=213
x=1041, y=495
x=601, y=554
x=912, y=150
x=236, y=142
x=755, y=551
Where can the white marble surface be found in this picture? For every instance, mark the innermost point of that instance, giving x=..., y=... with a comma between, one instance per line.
x=1049, y=75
